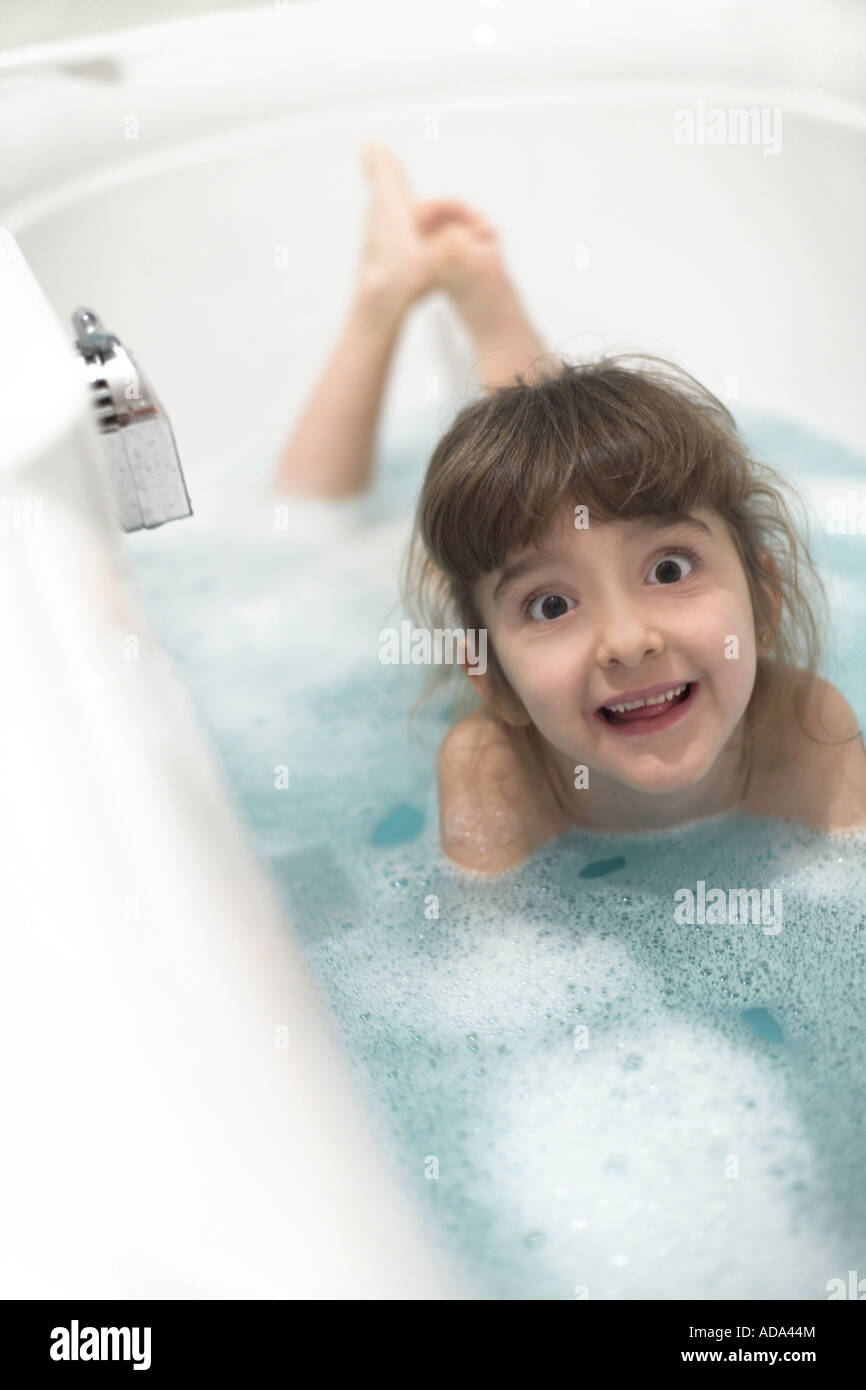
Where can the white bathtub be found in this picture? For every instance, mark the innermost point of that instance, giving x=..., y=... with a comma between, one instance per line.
x=198, y=186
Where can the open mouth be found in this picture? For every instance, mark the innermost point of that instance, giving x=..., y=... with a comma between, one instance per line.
x=646, y=713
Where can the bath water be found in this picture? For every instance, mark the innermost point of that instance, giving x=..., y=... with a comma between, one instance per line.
x=587, y=1097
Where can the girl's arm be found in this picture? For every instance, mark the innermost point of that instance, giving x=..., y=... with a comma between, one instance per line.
x=495, y=806
x=823, y=783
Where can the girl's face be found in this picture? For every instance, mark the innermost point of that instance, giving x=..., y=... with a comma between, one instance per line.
x=594, y=616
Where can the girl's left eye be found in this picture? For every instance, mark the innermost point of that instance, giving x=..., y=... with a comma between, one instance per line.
x=672, y=562
x=551, y=606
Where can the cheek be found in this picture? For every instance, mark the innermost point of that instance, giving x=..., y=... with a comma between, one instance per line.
x=722, y=645
x=725, y=641
x=546, y=676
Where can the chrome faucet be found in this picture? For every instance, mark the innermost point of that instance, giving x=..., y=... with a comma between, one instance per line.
x=145, y=473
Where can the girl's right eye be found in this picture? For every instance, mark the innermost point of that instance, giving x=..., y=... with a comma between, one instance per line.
x=547, y=607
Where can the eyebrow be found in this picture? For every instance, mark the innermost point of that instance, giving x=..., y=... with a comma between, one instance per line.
x=641, y=525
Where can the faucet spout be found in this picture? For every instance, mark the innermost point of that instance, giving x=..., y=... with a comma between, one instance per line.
x=144, y=464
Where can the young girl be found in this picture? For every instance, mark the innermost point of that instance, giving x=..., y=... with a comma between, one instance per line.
x=653, y=614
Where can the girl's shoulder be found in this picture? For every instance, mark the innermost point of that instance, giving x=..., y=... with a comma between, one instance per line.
x=819, y=774
x=495, y=804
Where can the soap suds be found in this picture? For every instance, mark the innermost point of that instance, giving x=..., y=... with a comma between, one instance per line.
x=587, y=1098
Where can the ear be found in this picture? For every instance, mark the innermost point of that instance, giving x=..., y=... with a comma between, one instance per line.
x=772, y=591
x=503, y=703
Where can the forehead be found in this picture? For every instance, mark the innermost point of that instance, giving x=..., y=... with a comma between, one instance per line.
x=573, y=520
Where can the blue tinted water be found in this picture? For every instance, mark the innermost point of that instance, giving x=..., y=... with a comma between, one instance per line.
x=587, y=1098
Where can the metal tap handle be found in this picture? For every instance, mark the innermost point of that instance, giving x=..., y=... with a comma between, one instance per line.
x=91, y=338
x=144, y=464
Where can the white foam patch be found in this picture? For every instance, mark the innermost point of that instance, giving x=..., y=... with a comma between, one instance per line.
x=669, y=1150
x=668, y=1186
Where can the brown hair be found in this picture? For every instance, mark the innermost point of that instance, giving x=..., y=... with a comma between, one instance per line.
x=626, y=441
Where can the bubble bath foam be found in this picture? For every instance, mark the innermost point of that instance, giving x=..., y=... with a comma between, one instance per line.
x=590, y=1095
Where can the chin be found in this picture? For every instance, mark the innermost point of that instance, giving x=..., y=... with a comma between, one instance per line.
x=661, y=780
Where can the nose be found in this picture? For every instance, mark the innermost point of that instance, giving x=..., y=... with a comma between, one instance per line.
x=626, y=637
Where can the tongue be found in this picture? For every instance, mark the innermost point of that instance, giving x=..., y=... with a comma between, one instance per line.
x=645, y=712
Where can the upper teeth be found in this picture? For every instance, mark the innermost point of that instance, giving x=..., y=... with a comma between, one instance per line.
x=653, y=700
